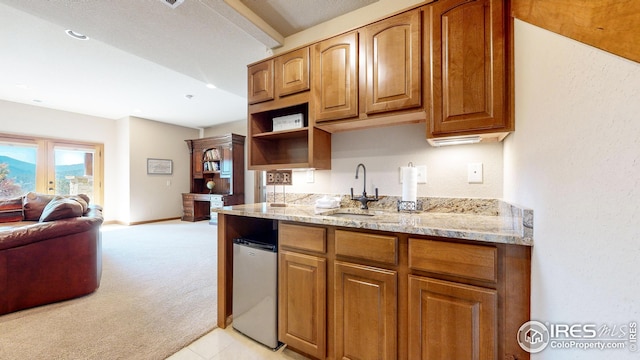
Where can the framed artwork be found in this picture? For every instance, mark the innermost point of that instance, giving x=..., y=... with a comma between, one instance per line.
x=159, y=166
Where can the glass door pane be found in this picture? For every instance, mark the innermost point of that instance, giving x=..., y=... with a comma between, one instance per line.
x=17, y=168
x=73, y=172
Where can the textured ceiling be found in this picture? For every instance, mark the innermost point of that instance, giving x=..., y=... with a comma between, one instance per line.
x=144, y=57
x=291, y=16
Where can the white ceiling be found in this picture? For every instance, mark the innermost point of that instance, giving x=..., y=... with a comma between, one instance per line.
x=143, y=57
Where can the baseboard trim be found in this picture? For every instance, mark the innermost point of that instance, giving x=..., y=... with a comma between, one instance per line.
x=118, y=222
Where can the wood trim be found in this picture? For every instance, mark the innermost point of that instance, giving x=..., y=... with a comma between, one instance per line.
x=225, y=268
x=142, y=222
x=610, y=25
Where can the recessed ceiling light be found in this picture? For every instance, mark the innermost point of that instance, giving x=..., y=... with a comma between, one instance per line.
x=189, y=96
x=211, y=86
x=76, y=35
x=37, y=100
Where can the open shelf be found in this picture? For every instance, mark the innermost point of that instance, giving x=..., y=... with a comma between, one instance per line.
x=283, y=134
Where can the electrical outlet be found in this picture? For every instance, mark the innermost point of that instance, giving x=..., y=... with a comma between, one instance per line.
x=422, y=174
x=474, y=173
x=310, y=176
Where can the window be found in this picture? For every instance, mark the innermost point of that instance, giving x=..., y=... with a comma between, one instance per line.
x=50, y=166
x=17, y=168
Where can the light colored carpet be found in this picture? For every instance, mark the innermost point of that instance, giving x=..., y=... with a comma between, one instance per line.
x=157, y=295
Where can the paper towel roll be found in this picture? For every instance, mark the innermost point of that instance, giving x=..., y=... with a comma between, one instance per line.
x=409, y=183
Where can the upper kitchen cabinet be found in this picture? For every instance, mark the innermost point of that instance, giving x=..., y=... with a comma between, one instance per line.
x=371, y=77
x=393, y=76
x=260, y=86
x=295, y=142
x=335, y=69
x=292, y=72
x=467, y=49
x=279, y=77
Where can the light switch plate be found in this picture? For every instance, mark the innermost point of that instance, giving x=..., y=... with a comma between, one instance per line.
x=474, y=173
x=310, y=176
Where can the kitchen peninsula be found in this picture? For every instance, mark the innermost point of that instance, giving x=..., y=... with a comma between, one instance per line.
x=451, y=281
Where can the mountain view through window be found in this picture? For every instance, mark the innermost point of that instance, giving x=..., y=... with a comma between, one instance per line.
x=18, y=170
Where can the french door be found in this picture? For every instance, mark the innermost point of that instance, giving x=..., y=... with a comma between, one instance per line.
x=56, y=167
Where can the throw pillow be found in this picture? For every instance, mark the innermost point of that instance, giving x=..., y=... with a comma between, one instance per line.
x=34, y=204
x=61, y=208
x=82, y=200
x=11, y=210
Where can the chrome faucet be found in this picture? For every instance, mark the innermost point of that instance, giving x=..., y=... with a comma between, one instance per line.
x=363, y=198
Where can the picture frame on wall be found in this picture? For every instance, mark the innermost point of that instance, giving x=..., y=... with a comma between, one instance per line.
x=159, y=166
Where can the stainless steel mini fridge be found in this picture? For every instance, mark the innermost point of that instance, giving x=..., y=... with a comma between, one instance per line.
x=255, y=288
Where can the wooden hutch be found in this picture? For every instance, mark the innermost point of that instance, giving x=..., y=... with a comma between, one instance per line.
x=219, y=159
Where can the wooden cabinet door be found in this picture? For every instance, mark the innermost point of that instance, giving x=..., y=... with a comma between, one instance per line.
x=260, y=86
x=451, y=321
x=335, y=79
x=292, y=72
x=393, y=59
x=468, y=62
x=366, y=312
x=302, y=302
x=196, y=158
x=226, y=164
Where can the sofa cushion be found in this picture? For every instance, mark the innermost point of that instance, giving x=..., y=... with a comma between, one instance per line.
x=83, y=200
x=61, y=208
x=33, y=205
x=11, y=210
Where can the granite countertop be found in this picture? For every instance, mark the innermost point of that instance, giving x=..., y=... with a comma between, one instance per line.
x=488, y=220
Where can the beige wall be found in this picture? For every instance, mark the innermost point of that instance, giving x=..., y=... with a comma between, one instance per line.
x=130, y=195
x=384, y=150
x=575, y=160
x=155, y=197
x=39, y=121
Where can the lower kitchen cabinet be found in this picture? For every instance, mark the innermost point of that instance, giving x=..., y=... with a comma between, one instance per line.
x=350, y=294
x=449, y=320
x=302, y=302
x=365, y=312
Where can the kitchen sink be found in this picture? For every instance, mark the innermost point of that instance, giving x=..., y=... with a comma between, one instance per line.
x=350, y=215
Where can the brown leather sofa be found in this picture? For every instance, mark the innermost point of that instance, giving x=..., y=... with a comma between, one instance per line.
x=46, y=261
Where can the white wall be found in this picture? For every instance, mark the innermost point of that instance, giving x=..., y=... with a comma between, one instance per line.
x=575, y=160
x=154, y=197
x=39, y=121
x=384, y=150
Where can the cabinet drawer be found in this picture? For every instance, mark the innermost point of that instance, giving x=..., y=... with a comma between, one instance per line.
x=308, y=238
x=380, y=248
x=470, y=261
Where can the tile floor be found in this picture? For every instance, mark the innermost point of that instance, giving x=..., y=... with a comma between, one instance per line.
x=223, y=344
